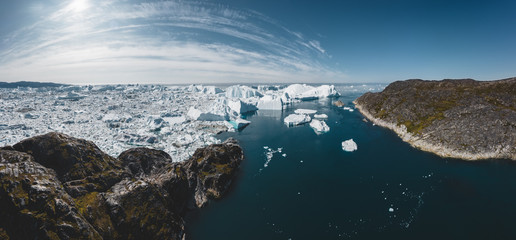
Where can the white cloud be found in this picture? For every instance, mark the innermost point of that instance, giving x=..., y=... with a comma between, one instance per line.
x=160, y=42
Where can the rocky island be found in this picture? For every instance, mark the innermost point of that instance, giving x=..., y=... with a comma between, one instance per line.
x=54, y=186
x=463, y=118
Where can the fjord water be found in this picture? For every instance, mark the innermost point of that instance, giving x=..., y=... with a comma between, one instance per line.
x=386, y=189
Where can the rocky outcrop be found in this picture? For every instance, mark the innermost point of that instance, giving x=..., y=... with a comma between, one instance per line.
x=58, y=187
x=464, y=119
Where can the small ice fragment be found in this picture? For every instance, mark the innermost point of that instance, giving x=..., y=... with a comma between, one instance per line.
x=391, y=209
x=284, y=155
x=321, y=116
x=349, y=145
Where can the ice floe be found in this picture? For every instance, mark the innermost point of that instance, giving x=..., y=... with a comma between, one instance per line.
x=319, y=126
x=349, y=145
x=296, y=119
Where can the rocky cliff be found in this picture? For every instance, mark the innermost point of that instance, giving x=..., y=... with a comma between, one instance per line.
x=464, y=118
x=55, y=186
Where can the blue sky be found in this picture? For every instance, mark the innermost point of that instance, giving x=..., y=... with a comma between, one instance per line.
x=244, y=41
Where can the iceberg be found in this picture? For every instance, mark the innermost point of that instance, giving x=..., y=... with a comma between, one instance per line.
x=212, y=114
x=211, y=90
x=239, y=124
x=321, y=116
x=238, y=91
x=319, y=126
x=305, y=92
x=305, y=111
x=241, y=107
x=296, y=119
x=349, y=145
x=270, y=102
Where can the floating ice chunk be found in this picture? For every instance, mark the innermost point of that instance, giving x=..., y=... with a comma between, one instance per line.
x=296, y=119
x=241, y=107
x=284, y=155
x=391, y=209
x=305, y=111
x=269, y=102
x=349, y=145
x=319, y=126
x=321, y=116
x=238, y=91
x=239, y=123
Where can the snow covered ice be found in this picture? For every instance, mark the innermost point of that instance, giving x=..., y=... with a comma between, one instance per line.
x=319, y=126
x=296, y=119
x=349, y=145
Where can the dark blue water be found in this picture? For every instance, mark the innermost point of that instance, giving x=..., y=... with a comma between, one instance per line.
x=318, y=191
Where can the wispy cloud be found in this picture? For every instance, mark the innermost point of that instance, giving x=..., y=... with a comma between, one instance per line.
x=89, y=41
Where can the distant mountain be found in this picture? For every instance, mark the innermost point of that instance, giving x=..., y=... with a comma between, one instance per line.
x=464, y=118
x=30, y=84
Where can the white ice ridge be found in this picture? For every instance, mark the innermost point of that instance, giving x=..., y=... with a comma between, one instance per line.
x=296, y=119
x=305, y=111
x=319, y=126
x=349, y=145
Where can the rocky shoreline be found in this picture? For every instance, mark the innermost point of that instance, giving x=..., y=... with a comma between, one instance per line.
x=55, y=186
x=464, y=119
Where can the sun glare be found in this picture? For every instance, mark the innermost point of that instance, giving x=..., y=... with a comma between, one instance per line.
x=79, y=5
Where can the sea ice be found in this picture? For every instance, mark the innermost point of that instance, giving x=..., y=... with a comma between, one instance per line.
x=349, y=145
x=305, y=111
x=270, y=102
x=321, y=116
x=319, y=126
x=296, y=119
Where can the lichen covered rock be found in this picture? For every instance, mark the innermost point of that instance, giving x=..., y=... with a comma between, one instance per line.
x=465, y=118
x=55, y=186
